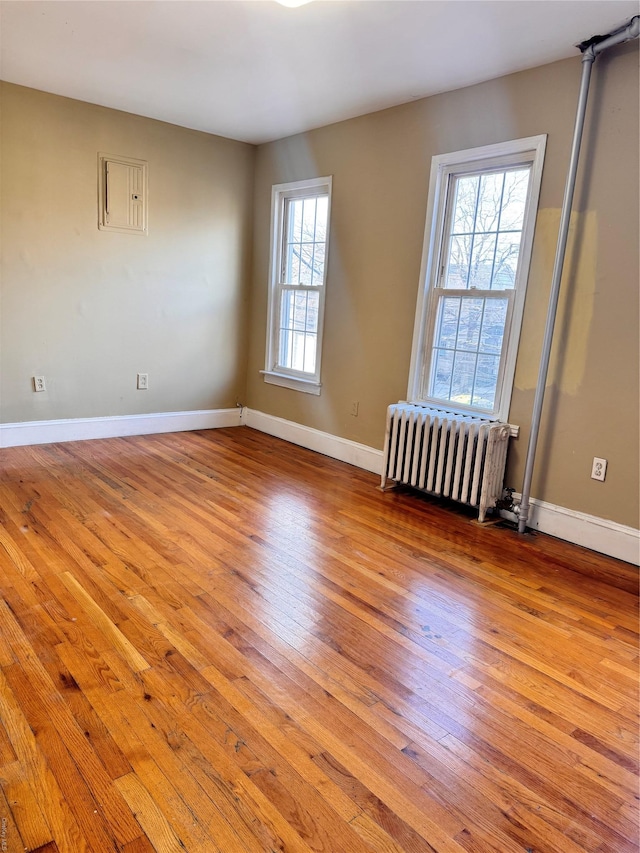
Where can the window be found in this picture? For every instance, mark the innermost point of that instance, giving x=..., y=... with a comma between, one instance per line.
x=480, y=223
x=300, y=233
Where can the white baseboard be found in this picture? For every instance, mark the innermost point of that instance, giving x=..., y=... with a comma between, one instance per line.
x=360, y=455
x=77, y=429
x=598, y=534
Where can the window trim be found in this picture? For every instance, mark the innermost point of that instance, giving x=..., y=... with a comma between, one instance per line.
x=527, y=150
x=273, y=373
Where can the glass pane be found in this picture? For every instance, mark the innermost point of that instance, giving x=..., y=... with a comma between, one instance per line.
x=506, y=263
x=310, y=353
x=447, y=324
x=295, y=220
x=464, y=210
x=469, y=325
x=482, y=261
x=495, y=315
x=489, y=200
x=322, y=208
x=468, y=346
x=441, y=380
x=297, y=351
x=309, y=219
x=313, y=303
x=464, y=366
x=318, y=264
x=300, y=311
x=486, y=381
x=515, y=196
x=286, y=310
x=284, y=356
x=458, y=262
x=292, y=269
x=298, y=330
x=306, y=263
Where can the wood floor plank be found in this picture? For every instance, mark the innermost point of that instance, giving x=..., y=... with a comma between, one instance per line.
x=217, y=642
x=32, y=792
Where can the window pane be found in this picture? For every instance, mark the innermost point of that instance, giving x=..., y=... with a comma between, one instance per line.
x=458, y=262
x=469, y=324
x=486, y=381
x=294, y=209
x=493, y=321
x=447, y=323
x=489, y=201
x=313, y=304
x=297, y=351
x=464, y=366
x=300, y=311
x=487, y=219
x=298, y=330
x=286, y=310
x=322, y=209
x=292, y=268
x=306, y=263
x=482, y=261
x=465, y=204
x=515, y=196
x=506, y=263
x=305, y=240
x=318, y=264
x=310, y=353
x=441, y=380
x=284, y=349
x=309, y=219
x=468, y=346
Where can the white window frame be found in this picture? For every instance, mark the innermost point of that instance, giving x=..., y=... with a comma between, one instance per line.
x=274, y=373
x=444, y=167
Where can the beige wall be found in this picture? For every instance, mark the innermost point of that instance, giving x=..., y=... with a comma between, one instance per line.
x=380, y=165
x=88, y=309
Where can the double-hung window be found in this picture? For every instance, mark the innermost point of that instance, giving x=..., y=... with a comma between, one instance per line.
x=480, y=224
x=300, y=234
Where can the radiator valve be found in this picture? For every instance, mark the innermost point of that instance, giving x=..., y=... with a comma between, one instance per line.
x=507, y=503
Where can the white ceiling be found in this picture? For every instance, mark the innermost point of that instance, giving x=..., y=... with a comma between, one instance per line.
x=254, y=70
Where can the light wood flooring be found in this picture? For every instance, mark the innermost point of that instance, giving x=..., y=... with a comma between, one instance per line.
x=217, y=642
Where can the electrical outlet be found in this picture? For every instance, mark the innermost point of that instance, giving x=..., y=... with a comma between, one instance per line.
x=143, y=381
x=39, y=383
x=354, y=408
x=598, y=469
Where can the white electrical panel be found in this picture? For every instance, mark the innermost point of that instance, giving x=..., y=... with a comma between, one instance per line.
x=122, y=194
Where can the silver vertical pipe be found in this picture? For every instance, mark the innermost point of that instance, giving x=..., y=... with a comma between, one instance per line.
x=591, y=50
x=588, y=59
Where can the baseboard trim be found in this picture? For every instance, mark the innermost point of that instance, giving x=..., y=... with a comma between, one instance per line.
x=78, y=429
x=598, y=534
x=360, y=455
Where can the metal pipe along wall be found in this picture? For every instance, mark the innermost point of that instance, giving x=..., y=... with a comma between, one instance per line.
x=630, y=31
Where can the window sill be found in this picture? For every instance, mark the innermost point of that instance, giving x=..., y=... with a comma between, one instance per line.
x=307, y=386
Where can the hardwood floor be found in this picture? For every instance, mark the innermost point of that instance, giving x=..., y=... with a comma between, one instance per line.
x=217, y=642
